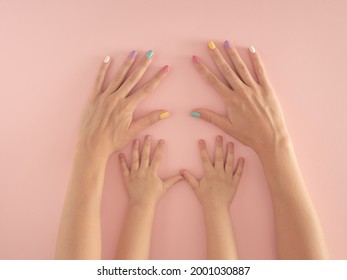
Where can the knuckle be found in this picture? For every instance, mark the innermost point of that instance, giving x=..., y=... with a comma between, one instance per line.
x=211, y=78
x=241, y=67
x=226, y=68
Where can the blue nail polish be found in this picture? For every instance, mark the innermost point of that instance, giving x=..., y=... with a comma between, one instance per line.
x=149, y=54
x=195, y=114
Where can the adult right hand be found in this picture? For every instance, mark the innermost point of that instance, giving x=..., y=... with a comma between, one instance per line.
x=254, y=113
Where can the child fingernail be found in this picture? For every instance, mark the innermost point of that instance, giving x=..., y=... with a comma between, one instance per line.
x=133, y=54
x=252, y=49
x=107, y=59
x=195, y=114
x=196, y=59
x=149, y=54
x=164, y=115
x=211, y=45
x=165, y=69
x=227, y=44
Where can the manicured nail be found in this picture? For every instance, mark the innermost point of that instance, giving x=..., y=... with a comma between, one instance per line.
x=107, y=59
x=227, y=44
x=211, y=45
x=164, y=115
x=149, y=54
x=195, y=114
x=165, y=69
x=196, y=59
x=252, y=49
x=133, y=54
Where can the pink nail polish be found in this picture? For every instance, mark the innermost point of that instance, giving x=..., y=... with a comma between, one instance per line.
x=196, y=59
x=165, y=69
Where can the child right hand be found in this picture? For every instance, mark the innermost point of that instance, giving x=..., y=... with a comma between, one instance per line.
x=217, y=187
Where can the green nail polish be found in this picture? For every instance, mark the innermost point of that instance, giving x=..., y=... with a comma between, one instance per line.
x=195, y=114
x=149, y=54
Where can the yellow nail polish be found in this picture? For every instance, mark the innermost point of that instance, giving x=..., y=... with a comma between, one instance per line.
x=164, y=115
x=211, y=45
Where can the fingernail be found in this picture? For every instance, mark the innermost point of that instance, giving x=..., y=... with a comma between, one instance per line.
x=211, y=45
x=165, y=69
x=133, y=54
x=107, y=59
x=149, y=54
x=219, y=138
x=201, y=142
x=164, y=115
x=195, y=114
x=252, y=49
x=227, y=44
x=196, y=59
x=182, y=172
x=148, y=137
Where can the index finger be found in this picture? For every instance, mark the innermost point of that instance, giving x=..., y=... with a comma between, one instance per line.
x=210, y=77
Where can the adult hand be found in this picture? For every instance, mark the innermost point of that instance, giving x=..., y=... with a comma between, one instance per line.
x=108, y=124
x=254, y=114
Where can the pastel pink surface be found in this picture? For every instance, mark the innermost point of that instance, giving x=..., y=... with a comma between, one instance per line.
x=50, y=54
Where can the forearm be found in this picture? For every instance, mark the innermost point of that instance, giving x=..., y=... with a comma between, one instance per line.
x=135, y=240
x=299, y=233
x=221, y=244
x=80, y=231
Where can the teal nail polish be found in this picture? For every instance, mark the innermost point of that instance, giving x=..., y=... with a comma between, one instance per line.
x=195, y=114
x=149, y=54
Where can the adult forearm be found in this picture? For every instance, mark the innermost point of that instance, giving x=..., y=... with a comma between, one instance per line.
x=299, y=233
x=220, y=237
x=135, y=240
x=80, y=231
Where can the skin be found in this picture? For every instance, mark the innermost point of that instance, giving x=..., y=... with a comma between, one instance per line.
x=255, y=118
x=215, y=191
x=107, y=126
x=145, y=188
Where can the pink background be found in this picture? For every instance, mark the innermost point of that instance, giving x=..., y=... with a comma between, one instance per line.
x=50, y=52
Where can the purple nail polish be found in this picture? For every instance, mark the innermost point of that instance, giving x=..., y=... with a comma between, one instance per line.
x=133, y=54
x=227, y=44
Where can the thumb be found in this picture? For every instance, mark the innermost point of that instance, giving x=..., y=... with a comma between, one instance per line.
x=207, y=115
x=138, y=125
x=169, y=182
x=189, y=177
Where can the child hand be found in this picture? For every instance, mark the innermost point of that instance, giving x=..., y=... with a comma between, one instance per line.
x=141, y=180
x=218, y=185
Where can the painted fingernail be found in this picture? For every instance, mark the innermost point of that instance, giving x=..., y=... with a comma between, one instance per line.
x=211, y=45
x=107, y=59
x=227, y=44
x=196, y=59
x=252, y=49
x=149, y=54
x=195, y=114
x=133, y=54
x=165, y=69
x=164, y=115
